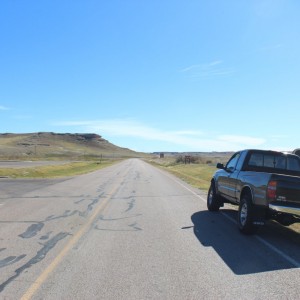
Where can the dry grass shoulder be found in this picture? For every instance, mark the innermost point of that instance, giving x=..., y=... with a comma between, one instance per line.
x=196, y=174
x=52, y=171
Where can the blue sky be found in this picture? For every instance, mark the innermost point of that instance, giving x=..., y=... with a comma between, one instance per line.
x=196, y=75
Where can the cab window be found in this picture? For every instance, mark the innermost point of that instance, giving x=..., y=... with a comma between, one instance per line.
x=232, y=162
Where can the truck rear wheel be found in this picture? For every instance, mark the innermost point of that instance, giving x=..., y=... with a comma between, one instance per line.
x=213, y=202
x=245, y=215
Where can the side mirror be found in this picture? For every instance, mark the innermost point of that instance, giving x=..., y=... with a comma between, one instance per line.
x=220, y=166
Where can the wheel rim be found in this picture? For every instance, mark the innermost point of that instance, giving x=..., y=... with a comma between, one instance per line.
x=243, y=214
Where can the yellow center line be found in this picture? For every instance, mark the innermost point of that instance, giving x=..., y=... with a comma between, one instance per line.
x=45, y=274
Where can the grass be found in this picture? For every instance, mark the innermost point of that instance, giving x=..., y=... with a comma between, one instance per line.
x=53, y=171
x=198, y=175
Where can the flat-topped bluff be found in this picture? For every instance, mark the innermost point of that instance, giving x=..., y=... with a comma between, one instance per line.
x=54, y=145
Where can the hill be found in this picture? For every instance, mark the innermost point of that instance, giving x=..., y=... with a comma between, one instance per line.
x=49, y=145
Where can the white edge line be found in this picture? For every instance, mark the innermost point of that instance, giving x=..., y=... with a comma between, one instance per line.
x=263, y=241
x=288, y=258
x=269, y=245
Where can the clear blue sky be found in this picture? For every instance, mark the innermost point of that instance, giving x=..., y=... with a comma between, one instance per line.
x=154, y=75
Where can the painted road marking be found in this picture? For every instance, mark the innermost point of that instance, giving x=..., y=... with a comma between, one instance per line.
x=269, y=245
x=75, y=238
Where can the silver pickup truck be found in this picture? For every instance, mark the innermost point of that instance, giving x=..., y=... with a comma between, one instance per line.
x=264, y=184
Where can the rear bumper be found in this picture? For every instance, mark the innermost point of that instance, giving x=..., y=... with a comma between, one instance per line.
x=285, y=209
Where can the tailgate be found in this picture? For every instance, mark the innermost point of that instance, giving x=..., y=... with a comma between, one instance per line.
x=288, y=188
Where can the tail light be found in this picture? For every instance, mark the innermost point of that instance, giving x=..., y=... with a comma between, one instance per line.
x=271, y=189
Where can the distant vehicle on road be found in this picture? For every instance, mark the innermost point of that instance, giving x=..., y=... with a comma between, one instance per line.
x=264, y=184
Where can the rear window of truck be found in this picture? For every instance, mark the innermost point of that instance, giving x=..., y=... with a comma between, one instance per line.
x=274, y=161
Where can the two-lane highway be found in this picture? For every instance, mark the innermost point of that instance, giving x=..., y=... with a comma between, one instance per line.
x=132, y=231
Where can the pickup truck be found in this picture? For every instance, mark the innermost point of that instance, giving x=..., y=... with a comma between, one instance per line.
x=264, y=184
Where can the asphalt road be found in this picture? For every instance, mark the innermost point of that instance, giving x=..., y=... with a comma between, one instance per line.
x=132, y=231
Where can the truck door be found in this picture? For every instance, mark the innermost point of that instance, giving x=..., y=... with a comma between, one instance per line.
x=227, y=181
x=234, y=181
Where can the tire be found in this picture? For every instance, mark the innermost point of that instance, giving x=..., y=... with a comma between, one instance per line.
x=245, y=215
x=213, y=200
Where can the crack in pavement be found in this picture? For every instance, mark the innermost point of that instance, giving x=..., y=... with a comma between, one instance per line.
x=32, y=230
x=40, y=255
x=10, y=260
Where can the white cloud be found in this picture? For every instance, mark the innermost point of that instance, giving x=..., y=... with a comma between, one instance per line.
x=208, y=70
x=190, y=140
x=214, y=63
x=269, y=48
x=189, y=132
x=242, y=140
x=201, y=66
x=190, y=68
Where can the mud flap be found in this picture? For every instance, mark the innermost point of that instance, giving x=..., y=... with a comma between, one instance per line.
x=260, y=216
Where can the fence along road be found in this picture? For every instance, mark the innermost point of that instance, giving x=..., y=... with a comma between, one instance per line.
x=132, y=231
